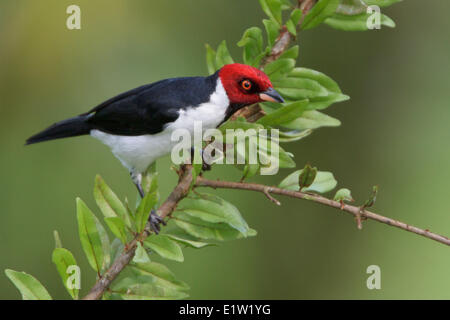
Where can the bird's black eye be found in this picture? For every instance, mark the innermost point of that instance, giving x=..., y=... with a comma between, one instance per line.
x=246, y=85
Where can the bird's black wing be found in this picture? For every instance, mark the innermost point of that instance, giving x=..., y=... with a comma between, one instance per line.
x=147, y=109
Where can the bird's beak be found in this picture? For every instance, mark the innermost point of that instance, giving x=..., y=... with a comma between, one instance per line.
x=271, y=95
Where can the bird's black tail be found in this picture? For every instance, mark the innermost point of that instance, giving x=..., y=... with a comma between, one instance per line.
x=72, y=127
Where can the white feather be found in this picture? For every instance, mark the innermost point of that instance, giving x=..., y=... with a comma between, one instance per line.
x=137, y=152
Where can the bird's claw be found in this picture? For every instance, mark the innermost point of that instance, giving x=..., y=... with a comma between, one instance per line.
x=155, y=220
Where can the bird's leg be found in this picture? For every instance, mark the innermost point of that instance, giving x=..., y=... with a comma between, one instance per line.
x=154, y=219
x=137, y=180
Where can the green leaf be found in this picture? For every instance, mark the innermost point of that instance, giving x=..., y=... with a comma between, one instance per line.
x=240, y=123
x=250, y=170
x=252, y=42
x=117, y=227
x=58, y=243
x=273, y=10
x=291, y=53
x=302, y=83
x=29, y=287
x=190, y=243
x=293, y=21
x=91, y=236
x=223, y=56
x=210, y=59
x=312, y=120
x=141, y=255
x=116, y=248
x=108, y=202
x=381, y=3
x=373, y=197
x=63, y=259
x=356, y=22
x=285, y=114
x=143, y=212
x=272, y=30
x=165, y=247
x=342, y=195
x=211, y=208
x=293, y=135
x=206, y=230
x=279, y=68
x=138, y=291
x=306, y=177
x=321, y=10
x=158, y=274
x=323, y=182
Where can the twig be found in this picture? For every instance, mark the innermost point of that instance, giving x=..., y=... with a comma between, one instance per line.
x=180, y=191
x=254, y=112
x=355, y=211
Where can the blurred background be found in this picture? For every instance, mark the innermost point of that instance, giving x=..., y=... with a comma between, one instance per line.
x=395, y=133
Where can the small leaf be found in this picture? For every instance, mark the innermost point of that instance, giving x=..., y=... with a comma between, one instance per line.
x=206, y=230
x=63, y=259
x=108, y=202
x=145, y=291
x=291, y=53
x=342, y=195
x=58, y=243
x=240, y=123
x=285, y=114
x=279, y=68
x=293, y=21
x=117, y=227
x=250, y=170
x=323, y=182
x=293, y=135
x=356, y=22
x=158, y=274
x=273, y=10
x=141, y=255
x=312, y=120
x=210, y=59
x=150, y=180
x=223, y=56
x=272, y=31
x=321, y=10
x=190, y=243
x=90, y=237
x=143, y=212
x=252, y=42
x=211, y=208
x=306, y=178
x=29, y=287
x=165, y=247
x=373, y=197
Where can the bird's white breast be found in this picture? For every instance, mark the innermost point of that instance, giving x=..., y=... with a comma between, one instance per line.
x=137, y=152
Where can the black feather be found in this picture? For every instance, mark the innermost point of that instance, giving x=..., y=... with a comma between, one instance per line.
x=144, y=110
x=72, y=127
x=147, y=109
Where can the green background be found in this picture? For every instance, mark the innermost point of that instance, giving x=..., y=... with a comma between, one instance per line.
x=395, y=133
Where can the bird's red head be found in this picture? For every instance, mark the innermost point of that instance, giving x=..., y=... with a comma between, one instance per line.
x=246, y=85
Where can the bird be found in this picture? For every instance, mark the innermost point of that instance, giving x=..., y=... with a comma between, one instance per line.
x=137, y=124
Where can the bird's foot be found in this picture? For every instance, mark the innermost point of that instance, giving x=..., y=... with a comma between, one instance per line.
x=155, y=220
x=205, y=166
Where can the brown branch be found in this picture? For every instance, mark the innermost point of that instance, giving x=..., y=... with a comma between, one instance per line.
x=180, y=191
x=357, y=212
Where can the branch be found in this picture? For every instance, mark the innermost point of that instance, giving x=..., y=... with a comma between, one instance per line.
x=254, y=112
x=357, y=212
x=178, y=193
